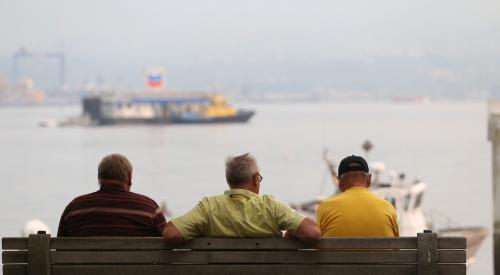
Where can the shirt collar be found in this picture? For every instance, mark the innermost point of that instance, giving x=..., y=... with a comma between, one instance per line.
x=356, y=189
x=243, y=192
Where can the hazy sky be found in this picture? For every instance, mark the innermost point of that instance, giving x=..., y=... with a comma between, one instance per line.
x=100, y=34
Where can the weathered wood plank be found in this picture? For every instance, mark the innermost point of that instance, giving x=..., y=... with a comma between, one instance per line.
x=235, y=269
x=14, y=257
x=117, y=243
x=452, y=269
x=452, y=256
x=158, y=243
x=38, y=254
x=256, y=257
x=14, y=243
x=427, y=254
x=234, y=257
x=452, y=242
x=15, y=269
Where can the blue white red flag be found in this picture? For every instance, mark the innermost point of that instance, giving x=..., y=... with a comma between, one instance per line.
x=155, y=80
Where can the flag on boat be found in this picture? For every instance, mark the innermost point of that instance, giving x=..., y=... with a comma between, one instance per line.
x=155, y=77
x=155, y=80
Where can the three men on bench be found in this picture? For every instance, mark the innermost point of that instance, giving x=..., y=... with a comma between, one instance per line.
x=239, y=212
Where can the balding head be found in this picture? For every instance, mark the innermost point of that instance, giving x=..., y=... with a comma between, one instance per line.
x=241, y=170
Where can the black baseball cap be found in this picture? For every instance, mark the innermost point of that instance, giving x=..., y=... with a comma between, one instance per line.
x=353, y=163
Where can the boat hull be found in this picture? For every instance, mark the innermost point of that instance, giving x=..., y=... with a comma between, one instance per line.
x=241, y=117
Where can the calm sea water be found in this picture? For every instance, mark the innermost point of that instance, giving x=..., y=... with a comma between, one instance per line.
x=42, y=169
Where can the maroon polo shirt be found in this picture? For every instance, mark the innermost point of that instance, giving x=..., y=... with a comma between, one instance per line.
x=111, y=211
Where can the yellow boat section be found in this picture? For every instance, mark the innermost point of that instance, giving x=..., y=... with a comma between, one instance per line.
x=219, y=107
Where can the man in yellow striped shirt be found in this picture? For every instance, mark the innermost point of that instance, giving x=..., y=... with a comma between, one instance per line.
x=241, y=211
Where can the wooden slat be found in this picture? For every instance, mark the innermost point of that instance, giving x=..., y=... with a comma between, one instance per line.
x=153, y=243
x=452, y=256
x=452, y=243
x=452, y=269
x=233, y=257
x=284, y=269
x=15, y=269
x=130, y=243
x=14, y=243
x=14, y=257
x=299, y=257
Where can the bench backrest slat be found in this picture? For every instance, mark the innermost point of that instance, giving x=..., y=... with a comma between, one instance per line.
x=127, y=243
x=169, y=256
x=251, y=269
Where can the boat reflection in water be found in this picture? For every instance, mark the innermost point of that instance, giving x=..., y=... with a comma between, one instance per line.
x=407, y=198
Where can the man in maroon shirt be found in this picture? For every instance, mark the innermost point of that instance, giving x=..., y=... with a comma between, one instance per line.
x=113, y=210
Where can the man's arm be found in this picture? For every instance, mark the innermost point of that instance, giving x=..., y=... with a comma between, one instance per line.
x=62, y=229
x=188, y=226
x=172, y=234
x=307, y=231
x=296, y=224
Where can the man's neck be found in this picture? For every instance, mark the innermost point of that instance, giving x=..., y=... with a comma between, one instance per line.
x=248, y=188
x=105, y=183
x=356, y=186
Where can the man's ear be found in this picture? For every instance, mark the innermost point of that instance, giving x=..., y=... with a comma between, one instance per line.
x=129, y=179
x=341, y=184
x=256, y=180
x=369, y=181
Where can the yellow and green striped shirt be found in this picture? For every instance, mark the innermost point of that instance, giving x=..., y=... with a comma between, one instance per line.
x=238, y=213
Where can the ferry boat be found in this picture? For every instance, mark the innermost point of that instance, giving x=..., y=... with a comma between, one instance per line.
x=407, y=198
x=162, y=108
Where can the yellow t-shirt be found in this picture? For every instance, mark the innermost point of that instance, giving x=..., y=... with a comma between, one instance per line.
x=238, y=213
x=357, y=213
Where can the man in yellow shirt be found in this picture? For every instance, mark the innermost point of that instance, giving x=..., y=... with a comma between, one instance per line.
x=240, y=211
x=356, y=212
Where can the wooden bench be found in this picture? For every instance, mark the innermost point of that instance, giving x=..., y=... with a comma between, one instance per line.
x=425, y=254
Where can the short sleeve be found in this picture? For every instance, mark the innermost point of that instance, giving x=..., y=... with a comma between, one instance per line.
x=62, y=230
x=319, y=216
x=286, y=217
x=194, y=223
x=395, y=224
x=159, y=221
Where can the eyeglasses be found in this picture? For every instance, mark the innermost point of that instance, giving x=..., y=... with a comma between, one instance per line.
x=260, y=177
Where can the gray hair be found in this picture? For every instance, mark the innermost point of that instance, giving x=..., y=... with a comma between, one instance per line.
x=240, y=169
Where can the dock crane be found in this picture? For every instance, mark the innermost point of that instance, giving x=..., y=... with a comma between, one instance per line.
x=24, y=53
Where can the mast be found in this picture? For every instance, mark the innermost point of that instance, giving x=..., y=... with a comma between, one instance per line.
x=494, y=138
